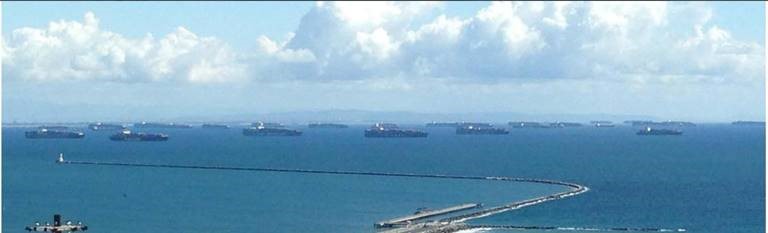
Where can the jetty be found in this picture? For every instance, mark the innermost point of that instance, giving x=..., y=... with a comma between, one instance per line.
x=403, y=221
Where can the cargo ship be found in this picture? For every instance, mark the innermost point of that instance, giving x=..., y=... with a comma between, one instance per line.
x=327, y=125
x=435, y=124
x=660, y=123
x=564, y=124
x=651, y=131
x=127, y=135
x=267, y=124
x=602, y=124
x=385, y=130
x=749, y=123
x=53, y=133
x=527, y=124
x=263, y=130
x=161, y=125
x=480, y=130
x=215, y=126
x=103, y=126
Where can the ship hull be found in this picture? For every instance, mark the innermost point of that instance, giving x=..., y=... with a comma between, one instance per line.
x=394, y=134
x=53, y=135
x=138, y=137
x=659, y=133
x=271, y=132
x=494, y=131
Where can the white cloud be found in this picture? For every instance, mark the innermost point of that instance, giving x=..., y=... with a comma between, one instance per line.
x=379, y=40
x=71, y=50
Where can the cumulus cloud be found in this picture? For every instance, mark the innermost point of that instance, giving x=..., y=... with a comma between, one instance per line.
x=71, y=50
x=393, y=40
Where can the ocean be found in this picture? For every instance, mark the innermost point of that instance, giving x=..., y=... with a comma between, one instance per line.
x=710, y=180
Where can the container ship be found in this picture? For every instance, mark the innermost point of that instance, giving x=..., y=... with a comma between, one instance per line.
x=270, y=129
x=651, y=131
x=161, y=125
x=385, y=130
x=435, y=124
x=564, y=124
x=527, y=124
x=750, y=123
x=43, y=132
x=214, y=126
x=267, y=124
x=602, y=124
x=127, y=135
x=660, y=123
x=327, y=125
x=480, y=130
x=103, y=126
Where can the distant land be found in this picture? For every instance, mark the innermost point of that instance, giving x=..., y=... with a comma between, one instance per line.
x=367, y=117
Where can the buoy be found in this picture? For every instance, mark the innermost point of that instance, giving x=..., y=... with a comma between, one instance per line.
x=61, y=158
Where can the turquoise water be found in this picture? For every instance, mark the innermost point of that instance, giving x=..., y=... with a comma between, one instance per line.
x=711, y=179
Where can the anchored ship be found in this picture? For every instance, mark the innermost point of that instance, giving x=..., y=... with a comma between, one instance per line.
x=266, y=129
x=215, y=126
x=471, y=129
x=105, y=126
x=385, y=130
x=127, y=135
x=660, y=123
x=443, y=124
x=651, y=131
x=527, y=124
x=43, y=132
x=751, y=123
x=602, y=124
x=327, y=125
x=564, y=124
x=144, y=124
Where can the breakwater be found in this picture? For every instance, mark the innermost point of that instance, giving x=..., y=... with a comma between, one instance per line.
x=453, y=223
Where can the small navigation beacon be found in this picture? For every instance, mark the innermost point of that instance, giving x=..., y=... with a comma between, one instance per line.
x=57, y=226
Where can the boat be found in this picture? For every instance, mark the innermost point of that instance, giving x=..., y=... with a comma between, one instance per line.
x=127, y=135
x=435, y=124
x=327, y=125
x=53, y=133
x=527, y=124
x=215, y=126
x=267, y=124
x=104, y=126
x=145, y=124
x=652, y=131
x=749, y=123
x=660, y=123
x=387, y=130
x=478, y=130
x=474, y=124
x=602, y=124
x=564, y=124
x=270, y=131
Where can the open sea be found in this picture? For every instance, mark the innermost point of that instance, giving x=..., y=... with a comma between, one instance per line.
x=709, y=180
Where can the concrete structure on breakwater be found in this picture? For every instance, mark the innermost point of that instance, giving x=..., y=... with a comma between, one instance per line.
x=449, y=224
x=407, y=220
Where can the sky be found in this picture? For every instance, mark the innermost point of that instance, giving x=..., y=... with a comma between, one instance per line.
x=71, y=61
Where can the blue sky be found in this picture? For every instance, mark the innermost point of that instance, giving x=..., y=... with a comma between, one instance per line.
x=209, y=58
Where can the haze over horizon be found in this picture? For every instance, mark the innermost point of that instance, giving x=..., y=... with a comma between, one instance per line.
x=85, y=61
